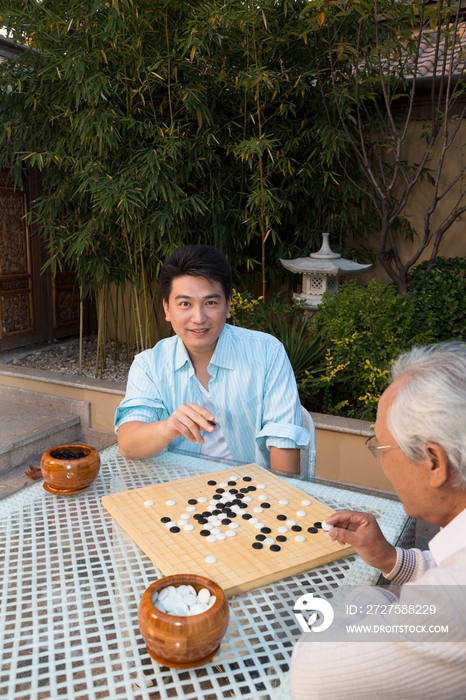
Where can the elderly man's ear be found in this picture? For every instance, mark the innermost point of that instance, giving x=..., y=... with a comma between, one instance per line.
x=438, y=465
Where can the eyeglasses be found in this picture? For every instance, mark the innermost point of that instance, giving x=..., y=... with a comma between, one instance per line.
x=375, y=448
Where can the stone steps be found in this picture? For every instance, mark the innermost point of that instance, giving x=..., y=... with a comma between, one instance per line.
x=32, y=422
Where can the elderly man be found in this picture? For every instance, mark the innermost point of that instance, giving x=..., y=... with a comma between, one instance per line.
x=212, y=389
x=420, y=438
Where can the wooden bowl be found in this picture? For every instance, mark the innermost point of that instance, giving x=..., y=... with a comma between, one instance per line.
x=69, y=476
x=183, y=642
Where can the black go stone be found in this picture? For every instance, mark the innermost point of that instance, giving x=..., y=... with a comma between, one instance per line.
x=257, y=545
x=260, y=538
x=216, y=497
x=312, y=529
x=211, y=483
x=233, y=490
x=231, y=514
x=266, y=530
x=275, y=548
x=318, y=525
x=228, y=504
x=197, y=516
x=252, y=488
x=192, y=501
x=216, y=512
x=237, y=502
x=281, y=517
x=247, y=516
x=296, y=528
x=226, y=521
x=239, y=496
x=231, y=483
x=205, y=533
x=206, y=514
x=175, y=528
x=265, y=505
x=219, y=490
x=281, y=538
x=165, y=519
x=202, y=521
x=247, y=478
x=244, y=490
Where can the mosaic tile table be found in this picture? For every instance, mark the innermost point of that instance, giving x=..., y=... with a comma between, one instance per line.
x=71, y=580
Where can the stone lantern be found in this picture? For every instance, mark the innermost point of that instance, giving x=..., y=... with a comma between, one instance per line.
x=320, y=273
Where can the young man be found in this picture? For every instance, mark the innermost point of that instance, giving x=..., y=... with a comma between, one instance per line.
x=212, y=389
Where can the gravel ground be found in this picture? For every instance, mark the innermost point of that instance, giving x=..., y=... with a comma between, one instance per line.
x=64, y=358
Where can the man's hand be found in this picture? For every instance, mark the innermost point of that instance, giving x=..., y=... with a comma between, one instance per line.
x=139, y=440
x=362, y=531
x=188, y=420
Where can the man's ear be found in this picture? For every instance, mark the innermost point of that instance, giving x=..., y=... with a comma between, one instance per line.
x=438, y=466
x=228, y=307
x=165, y=308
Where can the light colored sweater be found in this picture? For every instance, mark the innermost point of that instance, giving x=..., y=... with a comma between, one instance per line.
x=398, y=664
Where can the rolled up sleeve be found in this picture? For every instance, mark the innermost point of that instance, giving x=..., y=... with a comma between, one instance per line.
x=142, y=401
x=282, y=420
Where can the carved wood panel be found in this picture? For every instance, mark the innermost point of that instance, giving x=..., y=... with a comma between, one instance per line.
x=16, y=310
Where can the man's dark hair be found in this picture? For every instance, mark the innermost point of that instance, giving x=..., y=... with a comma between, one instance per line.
x=197, y=261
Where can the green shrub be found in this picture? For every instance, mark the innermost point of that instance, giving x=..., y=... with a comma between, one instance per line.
x=442, y=292
x=286, y=322
x=364, y=329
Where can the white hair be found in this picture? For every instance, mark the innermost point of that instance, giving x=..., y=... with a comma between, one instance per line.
x=431, y=405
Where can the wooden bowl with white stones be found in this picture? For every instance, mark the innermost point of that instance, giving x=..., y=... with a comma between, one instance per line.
x=183, y=640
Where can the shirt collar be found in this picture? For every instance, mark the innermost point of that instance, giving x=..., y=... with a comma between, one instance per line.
x=450, y=539
x=221, y=357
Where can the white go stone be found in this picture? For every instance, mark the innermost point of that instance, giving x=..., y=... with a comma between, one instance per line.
x=181, y=523
x=263, y=497
x=258, y=525
x=253, y=520
x=301, y=513
x=185, y=516
x=198, y=607
x=221, y=536
x=306, y=502
x=261, y=486
x=188, y=527
x=326, y=526
x=269, y=540
x=180, y=609
x=170, y=524
x=235, y=507
x=203, y=596
x=155, y=595
x=223, y=484
x=258, y=509
x=283, y=502
x=247, y=499
x=215, y=531
x=202, y=499
x=148, y=503
x=211, y=538
x=230, y=533
x=163, y=593
x=233, y=477
x=209, y=560
x=208, y=526
x=282, y=528
x=300, y=538
x=190, y=599
x=190, y=509
x=169, y=603
x=290, y=523
x=170, y=503
x=233, y=525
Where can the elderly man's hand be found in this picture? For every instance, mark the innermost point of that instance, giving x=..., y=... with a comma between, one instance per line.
x=363, y=532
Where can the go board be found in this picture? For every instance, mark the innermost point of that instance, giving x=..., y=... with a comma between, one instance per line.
x=242, y=527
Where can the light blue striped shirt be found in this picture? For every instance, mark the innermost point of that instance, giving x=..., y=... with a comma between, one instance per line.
x=252, y=388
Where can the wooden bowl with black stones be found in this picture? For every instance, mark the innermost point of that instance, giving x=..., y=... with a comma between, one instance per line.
x=183, y=642
x=69, y=469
